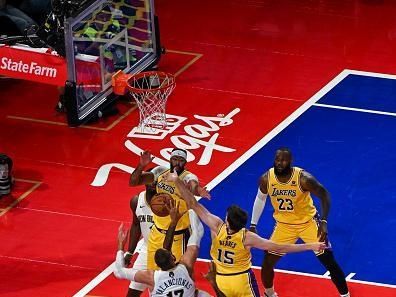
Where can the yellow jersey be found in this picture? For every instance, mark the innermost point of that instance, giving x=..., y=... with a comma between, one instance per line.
x=291, y=204
x=229, y=253
x=171, y=189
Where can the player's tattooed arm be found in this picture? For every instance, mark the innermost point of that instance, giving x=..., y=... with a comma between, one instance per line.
x=310, y=184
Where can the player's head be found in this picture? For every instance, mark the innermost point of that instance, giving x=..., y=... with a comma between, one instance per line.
x=178, y=160
x=164, y=259
x=236, y=218
x=283, y=161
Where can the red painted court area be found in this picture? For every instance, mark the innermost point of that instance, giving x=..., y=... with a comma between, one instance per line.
x=258, y=62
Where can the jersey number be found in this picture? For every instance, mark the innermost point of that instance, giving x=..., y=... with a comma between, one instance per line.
x=285, y=204
x=227, y=257
x=178, y=293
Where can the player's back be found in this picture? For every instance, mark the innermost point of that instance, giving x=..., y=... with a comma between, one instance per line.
x=173, y=282
x=144, y=215
x=229, y=253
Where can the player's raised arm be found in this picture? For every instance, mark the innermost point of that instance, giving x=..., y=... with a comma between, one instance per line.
x=193, y=244
x=212, y=221
x=259, y=202
x=138, y=176
x=253, y=240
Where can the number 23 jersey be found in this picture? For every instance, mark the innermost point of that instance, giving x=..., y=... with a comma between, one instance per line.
x=291, y=204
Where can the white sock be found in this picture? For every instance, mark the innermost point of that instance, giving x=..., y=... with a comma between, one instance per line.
x=269, y=291
x=346, y=295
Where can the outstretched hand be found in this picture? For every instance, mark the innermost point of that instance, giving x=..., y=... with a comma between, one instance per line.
x=319, y=246
x=145, y=158
x=122, y=236
x=210, y=276
x=203, y=192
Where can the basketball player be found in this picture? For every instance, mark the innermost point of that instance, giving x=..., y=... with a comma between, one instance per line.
x=296, y=217
x=177, y=164
x=174, y=279
x=142, y=222
x=231, y=244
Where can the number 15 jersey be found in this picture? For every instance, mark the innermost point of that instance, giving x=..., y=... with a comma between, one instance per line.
x=229, y=253
x=291, y=204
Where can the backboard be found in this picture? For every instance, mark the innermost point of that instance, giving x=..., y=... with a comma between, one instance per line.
x=106, y=37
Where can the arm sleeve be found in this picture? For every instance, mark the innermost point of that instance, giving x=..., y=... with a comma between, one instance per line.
x=197, y=229
x=258, y=207
x=190, y=176
x=119, y=268
x=158, y=170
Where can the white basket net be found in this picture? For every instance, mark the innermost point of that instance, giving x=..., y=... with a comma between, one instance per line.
x=151, y=91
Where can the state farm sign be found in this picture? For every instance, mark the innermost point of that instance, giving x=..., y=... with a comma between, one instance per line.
x=27, y=64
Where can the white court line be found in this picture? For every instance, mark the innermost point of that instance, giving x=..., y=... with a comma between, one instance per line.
x=349, y=276
x=254, y=149
x=325, y=276
x=97, y=280
x=356, y=109
x=45, y=262
x=69, y=214
x=370, y=74
x=290, y=119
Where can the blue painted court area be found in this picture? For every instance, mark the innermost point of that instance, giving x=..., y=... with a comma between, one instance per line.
x=353, y=155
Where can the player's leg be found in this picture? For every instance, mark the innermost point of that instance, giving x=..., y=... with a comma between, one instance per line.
x=268, y=273
x=180, y=241
x=337, y=275
x=155, y=242
x=238, y=285
x=282, y=234
x=310, y=234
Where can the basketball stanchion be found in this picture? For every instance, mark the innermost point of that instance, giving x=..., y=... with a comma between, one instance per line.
x=150, y=90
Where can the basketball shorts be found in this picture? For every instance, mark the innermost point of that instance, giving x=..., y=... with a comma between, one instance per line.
x=242, y=284
x=156, y=241
x=289, y=234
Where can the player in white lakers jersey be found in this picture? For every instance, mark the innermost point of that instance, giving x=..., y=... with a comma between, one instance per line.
x=231, y=244
x=289, y=189
x=174, y=279
x=157, y=235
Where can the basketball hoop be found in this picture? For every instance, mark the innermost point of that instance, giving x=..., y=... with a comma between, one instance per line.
x=150, y=90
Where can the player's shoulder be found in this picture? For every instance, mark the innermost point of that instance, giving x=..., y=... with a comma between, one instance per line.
x=265, y=176
x=303, y=173
x=159, y=170
x=182, y=267
x=188, y=175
